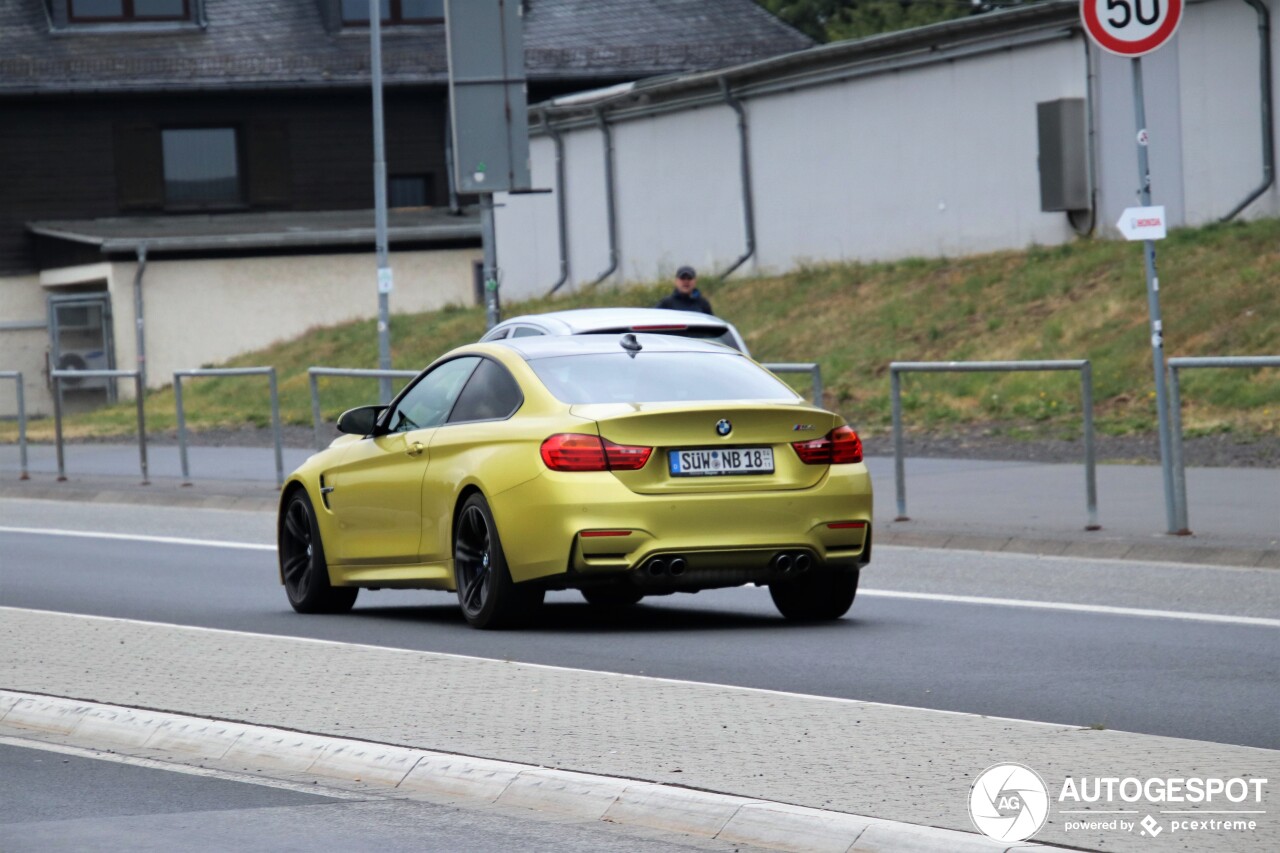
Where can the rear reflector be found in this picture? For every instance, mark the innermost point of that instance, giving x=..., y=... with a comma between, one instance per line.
x=845, y=525
x=586, y=534
x=570, y=451
x=841, y=446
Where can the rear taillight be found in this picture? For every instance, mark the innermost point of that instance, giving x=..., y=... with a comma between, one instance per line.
x=571, y=451
x=841, y=446
x=626, y=457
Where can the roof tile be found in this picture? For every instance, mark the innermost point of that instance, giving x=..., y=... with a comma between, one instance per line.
x=282, y=43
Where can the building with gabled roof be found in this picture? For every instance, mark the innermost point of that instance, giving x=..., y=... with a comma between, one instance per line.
x=211, y=161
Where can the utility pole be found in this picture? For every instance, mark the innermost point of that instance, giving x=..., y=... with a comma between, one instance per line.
x=385, y=281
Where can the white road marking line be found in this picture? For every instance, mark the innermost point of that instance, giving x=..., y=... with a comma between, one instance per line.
x=1257, y=621
x=207, y=772
x=137, y=537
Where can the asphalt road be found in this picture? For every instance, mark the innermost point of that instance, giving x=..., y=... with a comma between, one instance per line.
x=55, y=801
x=1181, y=677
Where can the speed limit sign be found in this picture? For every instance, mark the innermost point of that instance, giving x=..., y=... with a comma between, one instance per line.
x=1131, y=27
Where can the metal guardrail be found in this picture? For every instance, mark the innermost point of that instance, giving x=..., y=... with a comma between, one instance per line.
x=1175, y=406
x=139, y=395
x=22, y=421
x=1086, y=392
x=313, y=374
x=269, y=372
x=806, y=367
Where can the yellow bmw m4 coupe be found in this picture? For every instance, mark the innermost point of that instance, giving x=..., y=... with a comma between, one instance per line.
x=622, y=466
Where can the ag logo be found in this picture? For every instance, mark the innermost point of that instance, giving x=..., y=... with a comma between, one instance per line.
x=1009, y=802
x=723, y=427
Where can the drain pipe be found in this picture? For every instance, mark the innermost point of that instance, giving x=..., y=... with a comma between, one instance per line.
x=744, y=163
x=1268, y=133
x=608, y=197
x=454, y=207
x=138, y=315
x=1081, y=225
x=562, y=203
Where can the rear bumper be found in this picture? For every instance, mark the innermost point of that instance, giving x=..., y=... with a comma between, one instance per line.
x=721, y=537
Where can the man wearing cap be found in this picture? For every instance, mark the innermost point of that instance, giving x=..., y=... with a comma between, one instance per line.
x=686, y=296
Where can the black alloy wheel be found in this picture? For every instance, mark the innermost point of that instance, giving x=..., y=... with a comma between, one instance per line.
x=302, y=564
x=486, y=593
x=818, y=596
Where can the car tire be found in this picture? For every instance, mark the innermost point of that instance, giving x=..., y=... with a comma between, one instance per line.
x=612, y=596
x=488, y=597
x=815, y=597
x=302, y=564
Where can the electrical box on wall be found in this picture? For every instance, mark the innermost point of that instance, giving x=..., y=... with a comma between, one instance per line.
x=1064, y=158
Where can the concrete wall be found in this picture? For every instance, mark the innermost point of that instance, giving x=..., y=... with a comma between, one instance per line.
x=202, y=312
x=22, y=349
x=1221, y=123
x=928, y=160
x=937, y=160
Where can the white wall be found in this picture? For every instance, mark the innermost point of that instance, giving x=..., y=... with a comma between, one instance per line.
x=530, y=232
x=206, y=311
x=1117, y=130
x=678, y=193
x=677, y=200
x=201, y=312
x=938, y=160
x=935, y=160
x=23, y=350
x=1221, y=115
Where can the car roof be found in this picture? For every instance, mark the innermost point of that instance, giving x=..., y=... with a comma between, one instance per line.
x=553, y=346
x=580, y=321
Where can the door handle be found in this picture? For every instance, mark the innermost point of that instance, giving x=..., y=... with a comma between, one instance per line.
x=416, y=448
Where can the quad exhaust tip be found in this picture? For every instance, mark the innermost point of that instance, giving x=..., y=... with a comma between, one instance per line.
x=788, y=563
x=659, y=566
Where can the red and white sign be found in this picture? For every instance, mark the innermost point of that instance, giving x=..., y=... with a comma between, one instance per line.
x=1143, y=223
x=1131, y=27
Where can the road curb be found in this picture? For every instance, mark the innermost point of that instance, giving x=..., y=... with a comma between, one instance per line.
x=1105, y=549
x=587, y=796
x=260, y=498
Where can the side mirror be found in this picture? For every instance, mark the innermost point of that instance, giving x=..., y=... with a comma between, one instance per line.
x=359, y=421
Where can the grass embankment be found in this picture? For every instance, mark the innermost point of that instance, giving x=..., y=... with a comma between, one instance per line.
x=1086, y=299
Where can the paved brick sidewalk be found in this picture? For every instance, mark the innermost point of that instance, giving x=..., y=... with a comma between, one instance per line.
x=901, y=764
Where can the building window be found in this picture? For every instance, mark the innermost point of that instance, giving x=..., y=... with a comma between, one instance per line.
x=395, y=11
x=82, y=11
x=409, y=191
x=201, y=167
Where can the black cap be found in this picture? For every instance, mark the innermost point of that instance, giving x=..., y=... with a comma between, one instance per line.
x=686, y=272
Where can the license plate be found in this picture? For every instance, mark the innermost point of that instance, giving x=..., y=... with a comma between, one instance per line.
x=721, y=461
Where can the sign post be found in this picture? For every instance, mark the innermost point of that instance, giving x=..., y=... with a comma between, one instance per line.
x=1134, y=28
x=489, y=113
x=380, y=203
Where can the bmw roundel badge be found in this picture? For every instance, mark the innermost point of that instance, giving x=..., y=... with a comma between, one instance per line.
x=723, y=427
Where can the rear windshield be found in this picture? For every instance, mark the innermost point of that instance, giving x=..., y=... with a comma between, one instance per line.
x=702, y=333
x=657, y=377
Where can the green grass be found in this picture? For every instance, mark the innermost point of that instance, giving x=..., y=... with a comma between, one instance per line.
x=1086, y=299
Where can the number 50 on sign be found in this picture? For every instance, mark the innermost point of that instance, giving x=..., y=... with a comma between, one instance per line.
x=1131, y=27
